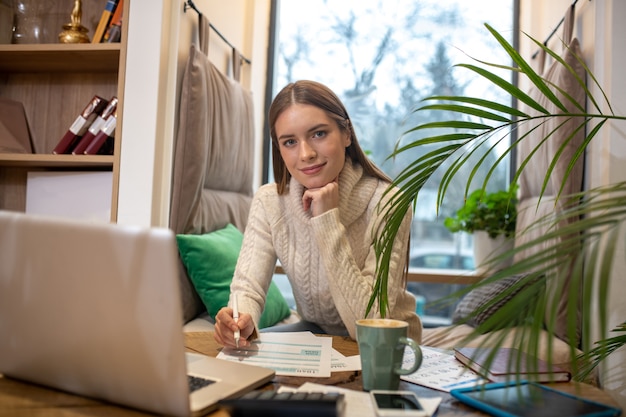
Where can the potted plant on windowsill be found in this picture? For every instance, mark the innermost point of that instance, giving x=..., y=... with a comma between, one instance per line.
x=491, y=218
x=597, y=236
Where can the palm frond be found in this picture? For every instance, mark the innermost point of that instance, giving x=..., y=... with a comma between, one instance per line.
x=600, y=213
x=591, y=241
x=603, y=349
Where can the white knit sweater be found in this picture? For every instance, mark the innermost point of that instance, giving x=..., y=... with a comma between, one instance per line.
x=329, y=259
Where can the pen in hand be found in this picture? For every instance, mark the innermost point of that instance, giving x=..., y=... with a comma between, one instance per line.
x=236, y=318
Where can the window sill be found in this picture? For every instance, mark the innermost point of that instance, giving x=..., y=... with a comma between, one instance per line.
x=443, y=276
x=435, y=276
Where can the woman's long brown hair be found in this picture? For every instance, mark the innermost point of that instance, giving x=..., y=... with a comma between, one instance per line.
x=318, y=95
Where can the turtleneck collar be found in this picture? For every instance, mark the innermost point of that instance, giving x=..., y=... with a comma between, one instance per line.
x=355, y=193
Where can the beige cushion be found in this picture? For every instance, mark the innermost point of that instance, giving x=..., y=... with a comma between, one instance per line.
x=214, y=146
x=558, y=281
x=213, y=159
x=531, y=182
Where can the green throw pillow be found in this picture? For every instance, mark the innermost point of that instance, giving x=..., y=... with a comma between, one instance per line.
x=210, y=260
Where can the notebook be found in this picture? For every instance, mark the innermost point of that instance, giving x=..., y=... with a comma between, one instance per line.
x=94, y=309
x=509, y=363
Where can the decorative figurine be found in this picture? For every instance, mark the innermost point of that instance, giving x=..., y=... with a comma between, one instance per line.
x=75, y=32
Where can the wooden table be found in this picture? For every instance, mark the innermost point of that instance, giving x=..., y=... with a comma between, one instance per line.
x=22, y=399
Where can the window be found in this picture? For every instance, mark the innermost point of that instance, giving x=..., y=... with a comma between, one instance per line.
x=382, y=58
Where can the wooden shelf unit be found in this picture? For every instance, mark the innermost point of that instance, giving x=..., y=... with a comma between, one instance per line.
x=55, y=161
x=54, y=82
x=102, y=57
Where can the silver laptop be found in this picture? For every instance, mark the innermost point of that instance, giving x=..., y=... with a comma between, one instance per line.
x=94, y=309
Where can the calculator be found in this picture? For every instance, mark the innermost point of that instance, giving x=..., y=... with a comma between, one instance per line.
x=285, y=404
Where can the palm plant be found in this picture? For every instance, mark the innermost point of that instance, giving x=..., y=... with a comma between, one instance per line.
x=590, y=242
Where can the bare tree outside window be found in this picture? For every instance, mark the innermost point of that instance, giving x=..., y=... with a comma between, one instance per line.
x=382, y=58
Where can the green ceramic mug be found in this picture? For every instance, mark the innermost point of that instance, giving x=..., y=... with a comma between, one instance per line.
x=381, y=346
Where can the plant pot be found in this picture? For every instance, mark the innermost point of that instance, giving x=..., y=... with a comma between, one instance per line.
x=487, y=248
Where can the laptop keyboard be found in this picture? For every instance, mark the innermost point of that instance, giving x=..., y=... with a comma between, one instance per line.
x=195, y=382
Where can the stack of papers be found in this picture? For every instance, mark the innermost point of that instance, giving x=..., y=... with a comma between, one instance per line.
x=509, y=363
x=304, y=354
x=294, y=354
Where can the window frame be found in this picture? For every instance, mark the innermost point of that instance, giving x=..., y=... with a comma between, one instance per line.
x=423, y=275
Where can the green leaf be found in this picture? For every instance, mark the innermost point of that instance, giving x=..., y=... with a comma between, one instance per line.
x=481, y=103
x=583, y=236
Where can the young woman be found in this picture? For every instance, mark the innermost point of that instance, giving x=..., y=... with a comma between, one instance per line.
x=318, y=220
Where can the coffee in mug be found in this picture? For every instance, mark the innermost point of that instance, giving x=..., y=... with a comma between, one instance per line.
x=381, y=347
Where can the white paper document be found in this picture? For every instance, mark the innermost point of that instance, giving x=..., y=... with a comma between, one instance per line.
x=440, y=371
x=288, y=354
x=340, y=363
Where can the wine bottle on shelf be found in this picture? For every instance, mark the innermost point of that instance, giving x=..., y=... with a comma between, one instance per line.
x=80, y=125
x=95, y=127
x=106, y=131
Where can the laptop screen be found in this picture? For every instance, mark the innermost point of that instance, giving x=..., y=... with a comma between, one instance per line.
x=93, y=309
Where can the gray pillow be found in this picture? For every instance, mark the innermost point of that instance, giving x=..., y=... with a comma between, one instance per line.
x=475, y=307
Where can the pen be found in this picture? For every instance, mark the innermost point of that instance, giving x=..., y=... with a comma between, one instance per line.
x=236, y=317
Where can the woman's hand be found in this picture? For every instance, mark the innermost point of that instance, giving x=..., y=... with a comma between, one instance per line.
x=320, y=200
x=225, y=327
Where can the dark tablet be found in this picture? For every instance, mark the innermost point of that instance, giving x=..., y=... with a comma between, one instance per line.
x=529, y=399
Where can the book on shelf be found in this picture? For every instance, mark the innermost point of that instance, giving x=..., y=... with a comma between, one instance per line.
x=14, y=132
x=509, y=363
x=80, y=125
x=105, y=20
x=95, y=127
x=114, y=30
x=104, y=135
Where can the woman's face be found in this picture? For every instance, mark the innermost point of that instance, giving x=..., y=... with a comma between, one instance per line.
x=311, y=144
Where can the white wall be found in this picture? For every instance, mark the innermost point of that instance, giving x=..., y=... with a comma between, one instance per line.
x=147, y=120
x=601, y=30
